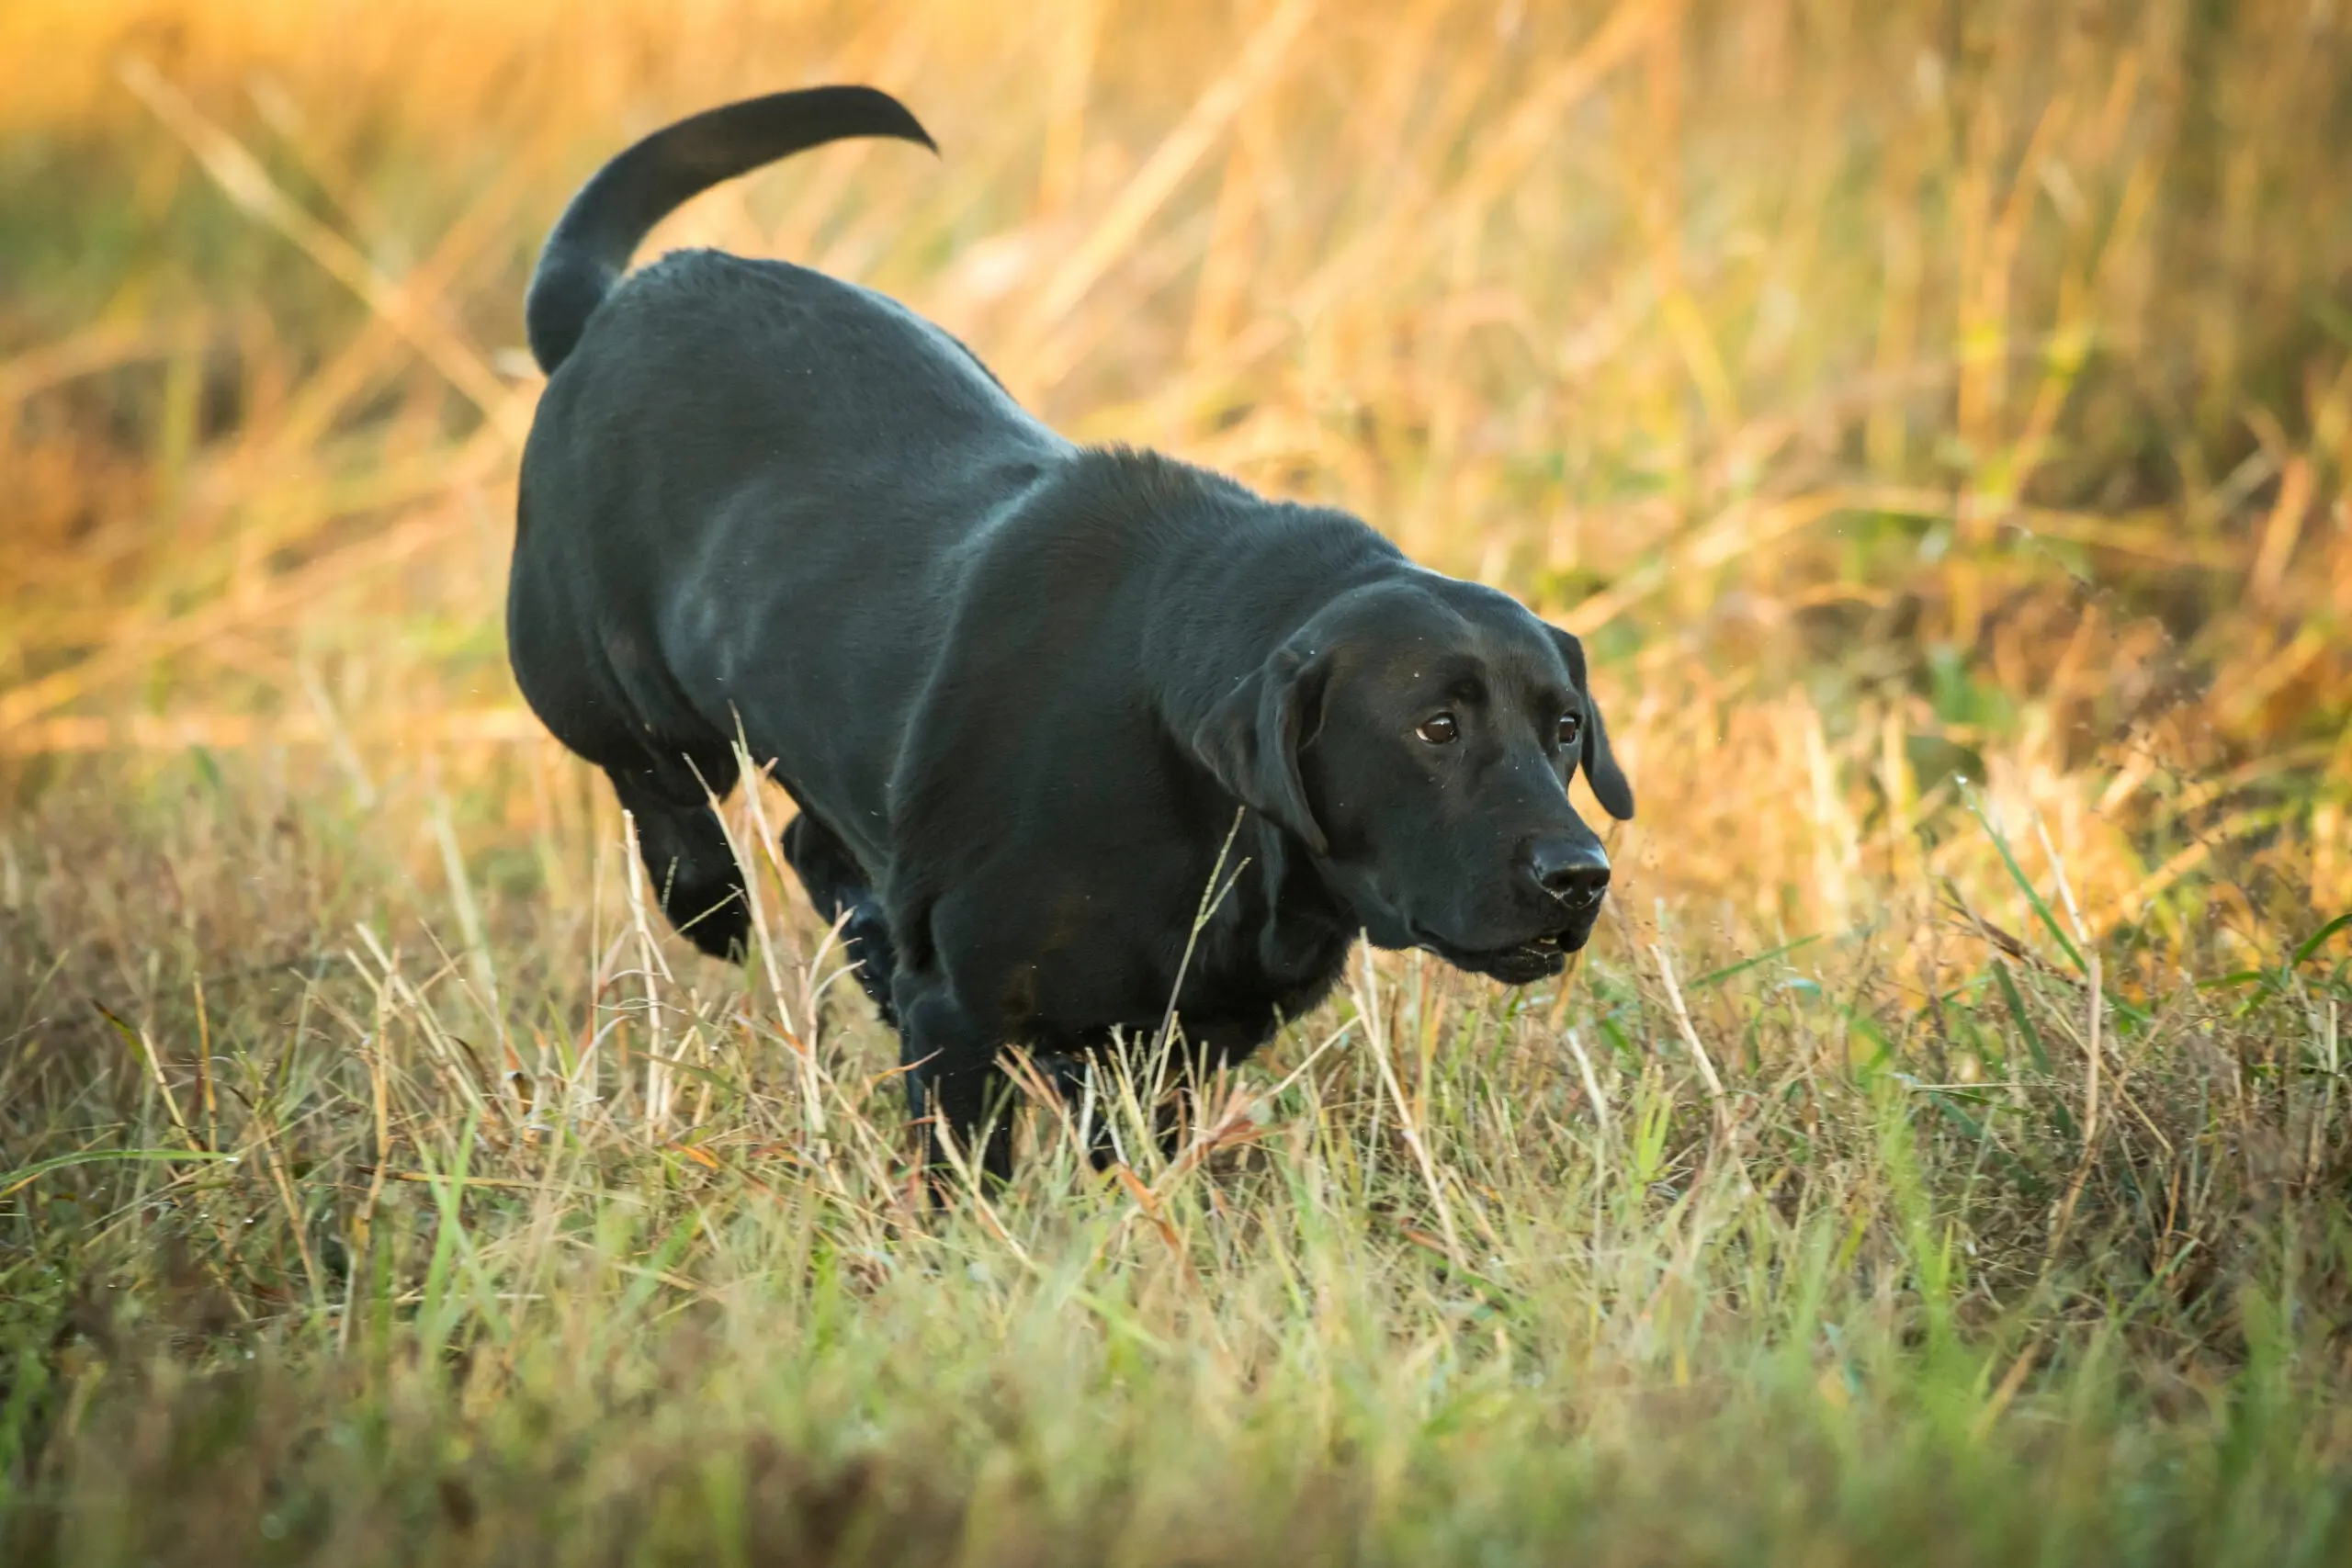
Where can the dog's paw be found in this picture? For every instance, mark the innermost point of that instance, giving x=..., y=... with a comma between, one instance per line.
x=722, y=929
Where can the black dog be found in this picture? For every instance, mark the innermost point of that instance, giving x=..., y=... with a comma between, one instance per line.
x=1019, y=689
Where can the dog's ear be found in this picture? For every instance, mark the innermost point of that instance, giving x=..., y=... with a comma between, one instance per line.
x=1600, y=770
x=1251, y=738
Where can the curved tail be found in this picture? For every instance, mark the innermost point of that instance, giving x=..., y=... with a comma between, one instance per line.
x=597, y=233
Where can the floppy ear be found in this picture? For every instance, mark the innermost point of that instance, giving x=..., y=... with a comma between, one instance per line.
x=1250, y=741
x=1600, y=770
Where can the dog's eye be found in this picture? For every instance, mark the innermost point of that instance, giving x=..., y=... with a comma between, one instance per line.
x=1570, y=727
x=1440, y=729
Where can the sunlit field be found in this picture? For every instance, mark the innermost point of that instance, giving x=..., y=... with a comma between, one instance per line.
x=1935, y=419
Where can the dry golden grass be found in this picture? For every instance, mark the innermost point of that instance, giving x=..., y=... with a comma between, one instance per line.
x=1937, y=422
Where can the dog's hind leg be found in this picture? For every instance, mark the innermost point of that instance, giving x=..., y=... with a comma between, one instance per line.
x=685, y=851
x=838, y=888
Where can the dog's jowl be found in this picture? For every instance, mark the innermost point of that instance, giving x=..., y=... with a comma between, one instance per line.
x=1019, y=689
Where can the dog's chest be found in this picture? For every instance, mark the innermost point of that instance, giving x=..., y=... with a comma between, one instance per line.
x=1250, y=978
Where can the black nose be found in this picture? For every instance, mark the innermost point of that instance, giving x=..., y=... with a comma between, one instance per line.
x=1576, y=874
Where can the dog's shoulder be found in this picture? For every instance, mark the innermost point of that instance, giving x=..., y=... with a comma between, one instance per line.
x=1136, y=500
x=1127, y=496
x=1142, y=476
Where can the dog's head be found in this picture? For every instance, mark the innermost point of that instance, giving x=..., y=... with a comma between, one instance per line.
x=1417, y=736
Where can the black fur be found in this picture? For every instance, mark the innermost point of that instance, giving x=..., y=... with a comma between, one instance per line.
x=1019, y=689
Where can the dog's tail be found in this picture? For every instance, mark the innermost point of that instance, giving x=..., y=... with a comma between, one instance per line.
x=594, y=238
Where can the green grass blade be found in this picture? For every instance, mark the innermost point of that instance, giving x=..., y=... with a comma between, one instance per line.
x=25, y=1174
x=2313, y=943
x=2025, y=885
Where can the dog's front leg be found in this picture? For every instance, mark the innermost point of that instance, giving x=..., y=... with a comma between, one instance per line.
x=953, y=1086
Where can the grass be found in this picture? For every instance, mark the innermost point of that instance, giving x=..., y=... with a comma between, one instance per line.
x=1935, y=421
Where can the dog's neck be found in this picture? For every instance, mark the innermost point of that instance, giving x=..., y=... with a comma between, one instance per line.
x=1212, y=617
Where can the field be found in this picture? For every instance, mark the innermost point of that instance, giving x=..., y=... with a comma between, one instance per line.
x=1936, y=419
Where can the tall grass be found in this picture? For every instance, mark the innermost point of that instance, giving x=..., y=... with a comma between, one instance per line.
x=1936, y=419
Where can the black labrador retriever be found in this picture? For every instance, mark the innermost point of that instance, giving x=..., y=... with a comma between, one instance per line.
x=1020, y=691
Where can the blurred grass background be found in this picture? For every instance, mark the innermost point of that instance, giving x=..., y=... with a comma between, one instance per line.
x=1936, y=419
